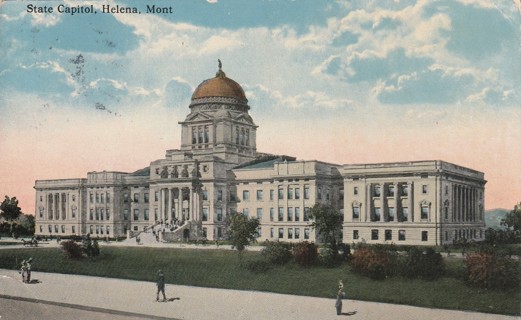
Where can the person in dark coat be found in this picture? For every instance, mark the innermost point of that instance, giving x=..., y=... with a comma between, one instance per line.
x=160, y=285
x=339, y=296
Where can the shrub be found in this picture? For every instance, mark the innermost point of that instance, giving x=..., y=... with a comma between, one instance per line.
x=426, y=264
x=329, y=257
x=71, y=249
x=95, y=248
x=374, y=262
x=346, y=251
x=258, y=266
x=305, y=253
x=488, y=270
x=277, y=253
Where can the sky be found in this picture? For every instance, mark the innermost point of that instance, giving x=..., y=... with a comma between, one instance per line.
x=343, y=82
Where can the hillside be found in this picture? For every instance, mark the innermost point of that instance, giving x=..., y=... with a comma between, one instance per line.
x=493, y=217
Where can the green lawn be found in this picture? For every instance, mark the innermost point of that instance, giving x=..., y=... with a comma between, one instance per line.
x=220, y=269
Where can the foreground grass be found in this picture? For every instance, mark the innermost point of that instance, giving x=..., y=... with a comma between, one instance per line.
x=221, y=269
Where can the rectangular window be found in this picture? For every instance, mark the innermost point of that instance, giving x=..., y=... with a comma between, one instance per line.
x=356, y=213
x=205, y=195
x=97, y=214
x=319, y=193
x=272, y=214
x=405, y=214
x=405, y=190
x=281, y=194
x=290, y=193
x=125, y=214
x=297, y=233
x=91, y=197
x=136, y=197
x=97, y=197
x=306, y=233
x=391, y=214
x=281, y=214
x=290, y=233
x=219, y=195
x=377, y=214
x=73, y=213
x=108, y=214
x=306, y=192
x=297, y=213
x=307, y=211
x=219, y=233
x=147, y=214
x=290, y=214
x=246, y=212
x=147, y=198
x=73, y=230
x=108, y=197
x=424, y=189
x=425, y=236
x=390, y=191
x=446, y=190
x=272, y=194
x=281, y=233
x=205, y=214
x=156, y=214
x=446, y=212
x=401, y=235
x=425, y=213
x=388, y=235
x=194, y=135
x=102, y=214
x=102, y=198
x=297, y=193
x=156, y=196
x=136, y=214
x=374, y=234
x=377, y=191
x=355, y=190
x=97, y=229
x=259, y=213
x=356, y=235
x=272, y=232
x=246, y=195
x=259, y=195
x=219, y=214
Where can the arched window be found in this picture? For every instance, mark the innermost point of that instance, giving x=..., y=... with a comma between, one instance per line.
x=194, y=135
x=63, y=229
x=91, y=229
x=108, y=230
x=206, y=134
x=247, y=137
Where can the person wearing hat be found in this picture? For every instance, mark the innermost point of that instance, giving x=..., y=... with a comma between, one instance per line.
x=23, y=271
x=160, y=285
x=28, y=268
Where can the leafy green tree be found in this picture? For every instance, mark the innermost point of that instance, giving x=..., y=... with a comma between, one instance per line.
x=512, y=220
x=327, y=222
x=241, y=231
x=9, y=210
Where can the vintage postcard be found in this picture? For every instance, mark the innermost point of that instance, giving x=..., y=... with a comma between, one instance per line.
x=148, y=124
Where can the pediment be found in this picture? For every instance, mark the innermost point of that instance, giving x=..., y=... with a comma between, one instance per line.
x=244, y=118
x=198, y=116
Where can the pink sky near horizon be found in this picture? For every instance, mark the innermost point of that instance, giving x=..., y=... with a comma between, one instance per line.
x=69, y=144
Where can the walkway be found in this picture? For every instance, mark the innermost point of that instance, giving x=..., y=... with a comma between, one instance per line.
x=137, y=299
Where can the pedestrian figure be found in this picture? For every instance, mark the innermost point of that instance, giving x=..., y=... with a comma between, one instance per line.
x=23, y=271
x=160, y=285
x=339, y=296
x=28, y=270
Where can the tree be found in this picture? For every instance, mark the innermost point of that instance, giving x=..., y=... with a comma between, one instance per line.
x=512, y=220
x=241, y=231
x=328, y=224
x=10, y=210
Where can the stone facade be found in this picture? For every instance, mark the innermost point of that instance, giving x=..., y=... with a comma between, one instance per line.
x=218, y=170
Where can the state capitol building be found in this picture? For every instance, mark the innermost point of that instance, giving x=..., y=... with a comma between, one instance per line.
x=217, y=170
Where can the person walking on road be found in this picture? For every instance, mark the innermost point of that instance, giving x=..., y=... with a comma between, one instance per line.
x=160, y=285
x=339, y=296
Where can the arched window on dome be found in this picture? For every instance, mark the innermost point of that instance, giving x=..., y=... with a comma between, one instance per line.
x=194, y=135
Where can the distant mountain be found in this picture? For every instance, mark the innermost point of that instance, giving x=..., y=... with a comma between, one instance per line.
x=493, y=217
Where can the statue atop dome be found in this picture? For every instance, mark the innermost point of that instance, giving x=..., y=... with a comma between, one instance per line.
x=220, y=73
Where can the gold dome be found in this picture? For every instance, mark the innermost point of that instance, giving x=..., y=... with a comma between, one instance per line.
x=220, y=86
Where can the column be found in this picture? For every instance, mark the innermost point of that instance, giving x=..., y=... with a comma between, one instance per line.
x=382, y=202
x=411, y=201
x=161, y=203
x=170, y=217
x=179, y=204
x=397, y=204
x=56, y=206
x=191, y=204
